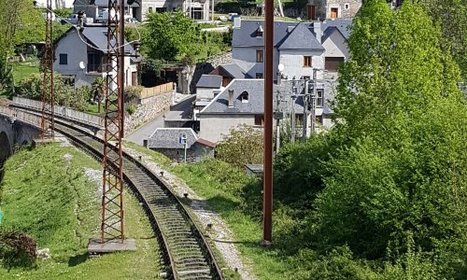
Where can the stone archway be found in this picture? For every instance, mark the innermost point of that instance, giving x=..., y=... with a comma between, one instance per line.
x=5, y=147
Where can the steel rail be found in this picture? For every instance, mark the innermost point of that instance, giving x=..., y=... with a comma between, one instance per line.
x=153, y=192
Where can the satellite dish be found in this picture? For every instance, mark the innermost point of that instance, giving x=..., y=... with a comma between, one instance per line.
x=82, y=66
x=280, y=67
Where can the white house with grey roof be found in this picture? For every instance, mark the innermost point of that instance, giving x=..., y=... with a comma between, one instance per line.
x=242, y=103
x=80, y=56
x=172, y=142
x=299, y=46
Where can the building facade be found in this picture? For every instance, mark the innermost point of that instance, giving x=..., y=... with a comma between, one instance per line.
x=332, y=9
x=80, y=57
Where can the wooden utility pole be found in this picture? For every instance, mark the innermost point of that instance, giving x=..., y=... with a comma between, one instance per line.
x=268, y=120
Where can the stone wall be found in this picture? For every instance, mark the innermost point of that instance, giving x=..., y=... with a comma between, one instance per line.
x=191, y=73
x=148, y=109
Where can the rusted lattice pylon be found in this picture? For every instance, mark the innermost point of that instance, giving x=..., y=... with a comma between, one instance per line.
x=112, y=196
x=48, y=99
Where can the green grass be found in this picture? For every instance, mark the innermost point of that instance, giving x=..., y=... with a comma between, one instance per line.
x=51, y=199
x=23, y=70
x=221, y=185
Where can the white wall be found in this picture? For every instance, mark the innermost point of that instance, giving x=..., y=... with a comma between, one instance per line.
x=246, y=59
x=204, y=94
x=293, y=63
x=213, y=127
x=77, y=52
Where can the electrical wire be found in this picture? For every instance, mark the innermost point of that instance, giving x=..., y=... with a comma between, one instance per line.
x=83, y=39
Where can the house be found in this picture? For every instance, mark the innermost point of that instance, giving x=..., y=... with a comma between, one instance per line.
x=174, y=142
x=228, y=72
x=298, y=47
x=98, y=9
x=198, y=9
x=206, y=88
x=332, y=9
x=80, y=56
x=242, y=103
x=55, y=4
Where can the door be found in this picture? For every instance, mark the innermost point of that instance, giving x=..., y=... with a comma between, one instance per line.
x=134, y=78
x=311, y=12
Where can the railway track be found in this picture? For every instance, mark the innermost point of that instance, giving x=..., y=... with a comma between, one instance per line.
x=186, y=253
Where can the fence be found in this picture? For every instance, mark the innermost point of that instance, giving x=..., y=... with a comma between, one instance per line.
x=61, y=111
x=148, y=92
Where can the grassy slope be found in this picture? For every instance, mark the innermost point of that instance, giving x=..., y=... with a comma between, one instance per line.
x=22, y=70
x=53, y=200
x=222, y=195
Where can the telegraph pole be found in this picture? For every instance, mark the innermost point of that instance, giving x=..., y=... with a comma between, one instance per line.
x=305, y=111
x=48, y=96
x=268, y=119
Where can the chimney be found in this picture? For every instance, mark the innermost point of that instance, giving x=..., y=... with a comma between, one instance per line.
x=317, y=30
x=231, y=98
x=237, y=22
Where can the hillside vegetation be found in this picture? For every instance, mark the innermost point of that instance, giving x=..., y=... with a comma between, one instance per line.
x=52, y=194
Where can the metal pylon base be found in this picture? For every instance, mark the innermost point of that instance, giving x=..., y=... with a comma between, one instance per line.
x=115, y=245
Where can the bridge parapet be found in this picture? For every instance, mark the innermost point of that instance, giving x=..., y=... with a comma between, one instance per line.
x=15, y=114
x=61, y=111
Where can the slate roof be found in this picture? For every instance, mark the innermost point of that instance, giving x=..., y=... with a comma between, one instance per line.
x=209, y=81
x=246, y=35
x=255, y=105
x=169, y=138
x=343, y=25
x=301, y=38
x=234, y=70
x=96, y=36
x=287, y=35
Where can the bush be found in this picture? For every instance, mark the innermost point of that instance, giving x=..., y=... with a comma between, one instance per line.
x=17, y=249
x=242, y=146
x=131, y=109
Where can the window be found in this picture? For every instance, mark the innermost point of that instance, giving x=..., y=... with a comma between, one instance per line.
x=150, y=9
x=346, y=6
x=332, y=63
x=63, y=59
x=307, y=61
x=259, y=75
x=319, y=97
x=259, y=56
x=334, y=12
x=244, y=97
x=259, y=119
x=95, y=62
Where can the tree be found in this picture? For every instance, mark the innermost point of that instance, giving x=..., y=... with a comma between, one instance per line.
x=243, y=145
x=171, y=37
x=400, y=170
x=451, y=15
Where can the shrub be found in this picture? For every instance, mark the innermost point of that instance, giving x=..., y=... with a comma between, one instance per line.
x=17, y=249
x=242, y=146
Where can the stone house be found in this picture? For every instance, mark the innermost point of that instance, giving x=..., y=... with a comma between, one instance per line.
x=96, y=8
x=332, y=9
x=80, y=56
x=171, y=143
x=242, y=103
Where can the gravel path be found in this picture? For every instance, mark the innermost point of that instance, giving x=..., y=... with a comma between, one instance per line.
x=219, y=233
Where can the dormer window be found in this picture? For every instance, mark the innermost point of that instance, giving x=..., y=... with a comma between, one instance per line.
x=244, y=97
x=259, y=32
